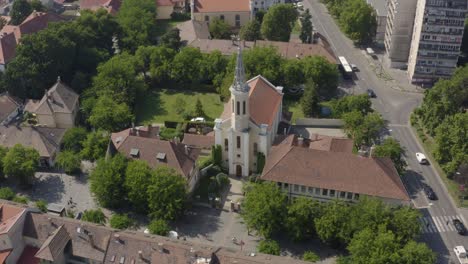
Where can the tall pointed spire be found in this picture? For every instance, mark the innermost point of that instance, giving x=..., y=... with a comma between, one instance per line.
x=239, y=77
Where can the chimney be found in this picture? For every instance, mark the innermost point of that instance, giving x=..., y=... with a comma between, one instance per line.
x=187, y=150
x=192, y=10
x=300, y=141
x=140, y=254
x=91, y=239
x=117, y=238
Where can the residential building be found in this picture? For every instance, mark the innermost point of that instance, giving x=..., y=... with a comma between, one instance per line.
x=325, y=169
x=10, y=108
x=257, y=5
x=437, y=37
x=235, y=13
x=143, y=143
x=57, y=108
x=380, y=7
x=10, y=35
x=399, y=32
x=31, y=237
x=164, y=9
x=249, y=122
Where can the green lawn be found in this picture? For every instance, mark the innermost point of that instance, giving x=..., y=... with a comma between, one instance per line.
x=159, y=106
x=293, y=106
x=297, y=28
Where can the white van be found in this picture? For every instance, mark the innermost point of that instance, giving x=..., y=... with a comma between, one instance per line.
x=421, y=158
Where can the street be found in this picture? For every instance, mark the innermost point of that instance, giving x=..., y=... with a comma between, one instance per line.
x=396, y=107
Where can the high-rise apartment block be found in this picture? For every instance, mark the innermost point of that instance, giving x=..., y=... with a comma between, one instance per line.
x=426, y=36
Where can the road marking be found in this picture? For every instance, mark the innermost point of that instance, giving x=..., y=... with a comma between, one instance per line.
x=437, y=224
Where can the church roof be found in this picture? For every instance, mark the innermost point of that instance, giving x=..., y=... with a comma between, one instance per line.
x=264, y=102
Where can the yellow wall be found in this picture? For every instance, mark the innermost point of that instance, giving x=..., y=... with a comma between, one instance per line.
x=164, y=12
x=229, y=17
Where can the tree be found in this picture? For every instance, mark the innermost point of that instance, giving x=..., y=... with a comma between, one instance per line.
x=310, y=100
x=110, y=115
x=278, y=22
x=219, y=29
x=451, y=137
x=3, y=152
x=107, y=181
x=120, y=221
x=310, y=256
x=138, y=21
x=3, y=22
x=323, y=73
x=391, y=148
x=185, y=66
x=214, y=66
x=358, y=21
x=251, y=31
x=41, y=205
x=94, y=146
x=262, y=60
x=94, y=216
x=264, y=205
x=260, y=162
x=69, y=161
x=417, y=253
x=21, y=162
x=159, y=227
x=155, y=60
x=351, y=103
x=293, y=73
x=137, y=180
x=166, y=194
x=199, y=108
x=330, y=224
x=306, y=27
x=171, y=39
x=270, y=247
x=363, y=129
x=37, y=6
x=405, y=224
x=6, y=193
x=217, y=155
x=300, y=218
x=19, y=11
x=73, y=139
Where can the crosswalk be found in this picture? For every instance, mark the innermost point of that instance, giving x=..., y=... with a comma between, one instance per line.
x=437, y=224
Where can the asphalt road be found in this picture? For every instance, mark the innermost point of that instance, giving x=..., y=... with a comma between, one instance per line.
x=396, y=107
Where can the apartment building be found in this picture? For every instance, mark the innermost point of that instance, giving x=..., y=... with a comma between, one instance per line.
x=437, y=37
x=381, y=11
x=399, y=31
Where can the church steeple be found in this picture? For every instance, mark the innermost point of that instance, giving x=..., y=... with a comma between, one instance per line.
x=239, y=83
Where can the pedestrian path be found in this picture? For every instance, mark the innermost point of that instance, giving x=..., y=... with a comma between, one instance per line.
x=437, y=224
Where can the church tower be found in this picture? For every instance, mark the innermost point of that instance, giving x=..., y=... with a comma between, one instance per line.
x=240, y=115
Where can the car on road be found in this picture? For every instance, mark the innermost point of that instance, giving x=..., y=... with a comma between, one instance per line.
x=354, y=68
x=197, y=119
x=371, y=93
x=429, y=192
x=460, y=252
x=421, y=158
x=459, y=226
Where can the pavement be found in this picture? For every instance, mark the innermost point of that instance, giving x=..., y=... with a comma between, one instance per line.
x=396, y=99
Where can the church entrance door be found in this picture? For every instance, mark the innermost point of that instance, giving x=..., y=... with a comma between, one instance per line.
x=238, y=170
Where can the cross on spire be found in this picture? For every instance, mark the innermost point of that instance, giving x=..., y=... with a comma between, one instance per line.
x=239, y=77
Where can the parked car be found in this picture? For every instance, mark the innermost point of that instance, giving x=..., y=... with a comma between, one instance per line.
x=429, y=192
x=371, y=93
x=354, y=68
x=421, y=158
x=459, y=226
x=198, y=119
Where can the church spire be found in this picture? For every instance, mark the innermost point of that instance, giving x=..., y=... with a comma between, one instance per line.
x=239, y=77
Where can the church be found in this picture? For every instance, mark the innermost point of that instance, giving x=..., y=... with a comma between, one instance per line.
x=249, y=122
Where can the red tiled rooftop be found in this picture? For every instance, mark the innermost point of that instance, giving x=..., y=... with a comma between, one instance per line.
x=28, y=256
x=164, y=3
x=207, y=6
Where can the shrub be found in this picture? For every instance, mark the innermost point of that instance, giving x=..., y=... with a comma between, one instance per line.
x=310, y=256
x=204, y=162
x=269, y=247
x=70, y=213
x=94, y=216
x=121, y=221
x=159, y=227
x=41, y=205
x=169, y=133
x=222, y=179
x=179, y=16
x=69, y=161
x=21, y=199
x=7, y=193
x=214, y=170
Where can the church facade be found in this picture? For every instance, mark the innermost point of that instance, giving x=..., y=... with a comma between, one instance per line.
x=249, y=122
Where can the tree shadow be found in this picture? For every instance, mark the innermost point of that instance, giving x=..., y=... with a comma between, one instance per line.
x=149, y=104
x=297, y=249
x=199, y=222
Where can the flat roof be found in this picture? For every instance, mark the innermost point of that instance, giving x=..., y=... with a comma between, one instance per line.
x=380, y=6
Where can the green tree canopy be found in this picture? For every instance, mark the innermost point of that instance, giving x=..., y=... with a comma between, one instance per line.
x=293, y=73
x=171, y=39
x=159, y=227
x=300, y=218
x=278, y=22
x=95, y=145
x=38, y=6
x=3, y=152
x=156, y=60
x=306, y=27
x=219, y=29
x=110, y=115
x=265, y=61
x=263, y=210
x=137, y=180
x=363, y=129
x=251, y=31
x=405, y=224
x=73, y=139
x=269, y=246
x=214, y=66
x=351, y=103
x=417, y=253
x=186, y=65
x=107, y=181
x=94, y=216
x=167, y=194
x=120, y=221
x=310, y=100
x=330, y=225
x=21, y=162
x=358, y=20
x=323, y=73
x=138, y=21
x=69, y=161
x=310, y=256
x=19, y=11
x=391, y=148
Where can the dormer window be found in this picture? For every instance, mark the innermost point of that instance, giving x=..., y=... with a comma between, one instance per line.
x=161, y=156
x=134, y=152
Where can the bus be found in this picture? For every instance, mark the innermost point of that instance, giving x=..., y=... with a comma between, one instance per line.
x=345, y=68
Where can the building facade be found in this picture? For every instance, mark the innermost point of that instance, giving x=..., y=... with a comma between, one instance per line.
x=257, y=5
x=437, y=37
x=235, y=13
x=249, y=122
x=380, y=8
x=399, y=31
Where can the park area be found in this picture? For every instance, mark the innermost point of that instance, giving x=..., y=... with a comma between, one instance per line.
x=157, y=106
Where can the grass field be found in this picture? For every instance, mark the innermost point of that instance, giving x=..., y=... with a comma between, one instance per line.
x=295, y=107
x=159, y=106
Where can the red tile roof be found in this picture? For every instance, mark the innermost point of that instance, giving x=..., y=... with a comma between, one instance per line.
x=9, y=215
x=8, y=104
x=164, y=3
x=201, y=141
x=327, y=143
x=175, y=154
x=28, y=256
x=264, y=102
x=7, y=47
x=208, y=6
x=333, y=170
x=4, y=255
x=53, y=247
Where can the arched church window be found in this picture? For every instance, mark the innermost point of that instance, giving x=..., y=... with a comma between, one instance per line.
x=238, y=108
x=232, y=103
x=226, y=144
x=243, y=107
x=238, y=142
x=255, y=149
